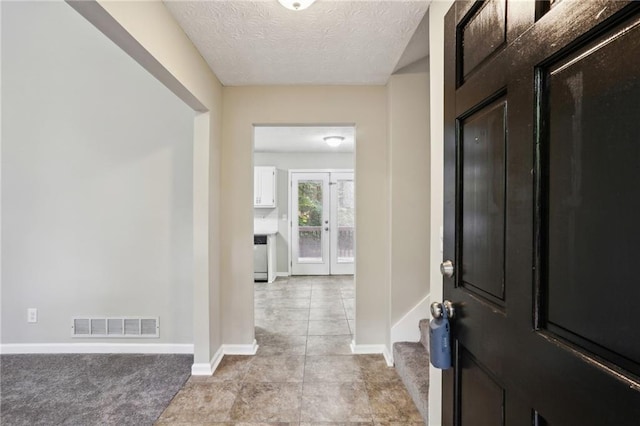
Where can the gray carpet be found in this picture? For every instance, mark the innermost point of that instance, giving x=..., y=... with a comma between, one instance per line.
x=88, y=389
x=412, y=364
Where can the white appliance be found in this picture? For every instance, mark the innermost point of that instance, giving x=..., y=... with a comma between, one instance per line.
x=260, y=264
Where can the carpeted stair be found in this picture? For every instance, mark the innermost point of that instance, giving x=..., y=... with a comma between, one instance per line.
x=412, y=364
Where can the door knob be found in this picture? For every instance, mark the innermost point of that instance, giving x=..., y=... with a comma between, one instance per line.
x=436, y=309
x=451, y=311
x=326, y=229
x=446, y=268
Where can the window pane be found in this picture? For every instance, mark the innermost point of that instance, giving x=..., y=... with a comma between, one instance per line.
x=345, y=221
x=310, y=221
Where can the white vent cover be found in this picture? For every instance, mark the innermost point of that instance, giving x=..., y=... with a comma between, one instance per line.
x=115, y=327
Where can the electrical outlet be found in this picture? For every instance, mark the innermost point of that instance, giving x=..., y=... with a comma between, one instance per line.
x=32, y=315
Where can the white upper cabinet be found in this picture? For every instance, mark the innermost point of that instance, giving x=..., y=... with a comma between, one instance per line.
x=264, y=187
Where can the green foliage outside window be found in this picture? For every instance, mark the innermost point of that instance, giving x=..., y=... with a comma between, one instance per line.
x=309, y=203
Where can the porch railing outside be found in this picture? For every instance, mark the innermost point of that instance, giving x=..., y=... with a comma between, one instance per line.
x=310, y=242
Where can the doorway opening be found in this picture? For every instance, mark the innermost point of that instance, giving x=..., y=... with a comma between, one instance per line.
x=304, y=239
x=304, y=201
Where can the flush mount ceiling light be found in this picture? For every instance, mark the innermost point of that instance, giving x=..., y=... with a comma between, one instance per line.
x=296, y=4
x=333, y=141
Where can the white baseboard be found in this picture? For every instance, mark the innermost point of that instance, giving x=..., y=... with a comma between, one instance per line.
x=406, y=329
x=96, y=348
x=207, y=368
x=282, y=274
x=372, y=349
x=241, y=349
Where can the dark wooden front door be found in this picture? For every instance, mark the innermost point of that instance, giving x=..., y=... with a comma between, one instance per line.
x=542, y=212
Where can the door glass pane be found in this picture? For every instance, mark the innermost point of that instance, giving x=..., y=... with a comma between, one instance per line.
x=345, y=221
x=310, y=221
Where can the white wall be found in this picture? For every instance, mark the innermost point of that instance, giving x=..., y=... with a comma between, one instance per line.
x=364, y=106
x=96, y=182
x=285, y=161
x=150, y=35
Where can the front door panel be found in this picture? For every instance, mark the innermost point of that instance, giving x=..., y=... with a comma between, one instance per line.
x=593, y=194
x=483, y=148
x=481, y=397
x=542, y=199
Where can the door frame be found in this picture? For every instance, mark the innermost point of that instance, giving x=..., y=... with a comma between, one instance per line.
x=290, y=205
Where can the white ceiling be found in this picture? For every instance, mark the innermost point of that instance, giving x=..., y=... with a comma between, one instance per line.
x=333, y=42
x=305, y=139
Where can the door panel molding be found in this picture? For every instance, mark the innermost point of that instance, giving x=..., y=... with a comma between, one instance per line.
x=574, y=209
x=484, y=29
x=481, y=200
x=481, y=396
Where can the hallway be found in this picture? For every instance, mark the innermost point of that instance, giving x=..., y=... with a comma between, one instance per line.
x=304, y=371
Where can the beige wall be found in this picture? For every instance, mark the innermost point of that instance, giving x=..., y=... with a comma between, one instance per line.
x=364, y=106
x=409, y=159
x=149, y=34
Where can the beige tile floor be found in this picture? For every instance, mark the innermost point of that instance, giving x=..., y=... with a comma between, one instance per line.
x=304, y=372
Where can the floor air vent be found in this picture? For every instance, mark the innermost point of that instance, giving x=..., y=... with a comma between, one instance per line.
x=115, y=327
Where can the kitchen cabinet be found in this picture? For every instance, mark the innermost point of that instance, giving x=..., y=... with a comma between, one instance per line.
x=264, y=187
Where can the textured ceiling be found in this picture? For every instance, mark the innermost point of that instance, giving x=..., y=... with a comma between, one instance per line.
x=302, y=138
x=333, y=42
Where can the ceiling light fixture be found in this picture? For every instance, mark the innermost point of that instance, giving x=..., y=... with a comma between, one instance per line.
x=296, y=4
x=333, y=141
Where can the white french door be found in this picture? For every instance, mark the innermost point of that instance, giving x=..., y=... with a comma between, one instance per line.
x=322, y=225
x=310, y=224
x=343, y=220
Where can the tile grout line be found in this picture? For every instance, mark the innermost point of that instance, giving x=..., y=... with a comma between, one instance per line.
x=304, y=363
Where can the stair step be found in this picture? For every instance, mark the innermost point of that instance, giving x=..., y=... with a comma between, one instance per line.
x=412, y=364
x=424, y=333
